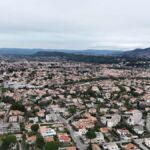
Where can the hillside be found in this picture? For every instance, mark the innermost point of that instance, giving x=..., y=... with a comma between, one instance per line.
x=138, y=53
x=27, y=51
x=78, y=57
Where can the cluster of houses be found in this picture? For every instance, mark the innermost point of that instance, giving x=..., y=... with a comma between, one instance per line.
x=115, y=103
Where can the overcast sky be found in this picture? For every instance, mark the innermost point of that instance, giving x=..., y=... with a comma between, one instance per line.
x=75, y=24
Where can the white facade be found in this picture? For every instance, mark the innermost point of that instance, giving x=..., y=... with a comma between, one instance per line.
x=135, y=118
x=113, y=121
x=147, y=142
x=99, y=138
x=48, y=132
x=82, y=132
x=34, y=119
x=113, y=146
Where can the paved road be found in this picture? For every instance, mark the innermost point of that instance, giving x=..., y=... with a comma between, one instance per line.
x=148, y=122
x=6, y=116
x=119, y=142
x=137, y=141
x=75, y=138
x=20, y=146
x=75, y=115
x=140, y=143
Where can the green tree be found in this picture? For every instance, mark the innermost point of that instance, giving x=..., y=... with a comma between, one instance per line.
x=35, y=128
x=89, y=147
x=72, y=109
x=52, y=146
x=40, y=141
x=91, y=135
x=8, y=141
x=18, y=106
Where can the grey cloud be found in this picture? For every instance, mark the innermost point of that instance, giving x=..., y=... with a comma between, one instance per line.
x=75, y=24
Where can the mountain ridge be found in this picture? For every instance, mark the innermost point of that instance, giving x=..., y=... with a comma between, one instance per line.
x=27, y=51
x=136, y=53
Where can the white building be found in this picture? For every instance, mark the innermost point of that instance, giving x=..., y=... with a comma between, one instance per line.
x=82, y=131
x=45, y=131
x=135, y=117
x=113, y=146
x=99, y=138
x=147, y=142
x=34, y=119
x=113, y=120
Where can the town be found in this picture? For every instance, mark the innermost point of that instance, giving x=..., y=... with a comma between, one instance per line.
x=66, y=105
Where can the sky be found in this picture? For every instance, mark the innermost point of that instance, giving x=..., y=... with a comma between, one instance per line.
x=75, y=24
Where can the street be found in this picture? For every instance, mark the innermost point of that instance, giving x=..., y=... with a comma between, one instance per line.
x=76, y=139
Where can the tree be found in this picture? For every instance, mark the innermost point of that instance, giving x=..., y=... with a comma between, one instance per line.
x=72, y=110
x=18, y=106
x=35, y=128
x=7, y=99
x=40, y=141
x=52, y=145
x=89, y=147
x=7, y=141
x=90, y=134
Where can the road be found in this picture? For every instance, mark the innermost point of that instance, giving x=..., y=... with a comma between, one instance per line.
x=76, y=139
x=75, y=115
x=6, y=115
x=148, y=122
x=140, y=143
x=20, y=146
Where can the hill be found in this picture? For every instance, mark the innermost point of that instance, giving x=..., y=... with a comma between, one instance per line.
x=27, y=51
x=138, y=53
x=78, y=57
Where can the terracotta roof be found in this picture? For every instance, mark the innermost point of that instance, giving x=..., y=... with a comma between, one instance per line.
x=48, y=139
x=104, y=130
x=71, y=148
x=64, y=137
x=31, y=138
x=130, y=146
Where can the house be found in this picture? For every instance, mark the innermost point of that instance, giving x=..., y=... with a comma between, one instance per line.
x=135, y=117
x=6, y=128
x=113, y=120
x=99, y=138
x=130, y=146
x=48, y=139
x=147, y=142
x=13, y=119
x=113, y=146
x=104, y=130
x=31, y=139
x=64, y=138
x=15, y=113
x=92, y=110
x=28, y=127
x=50, y=117
x=19, y=136
x=95, y=147
x=71, y=148
x=34, y=119
x=41, y=113
x=88, y=122
x=125, y=134
x=82, y=131
x=138, y=129
x=46, y=131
